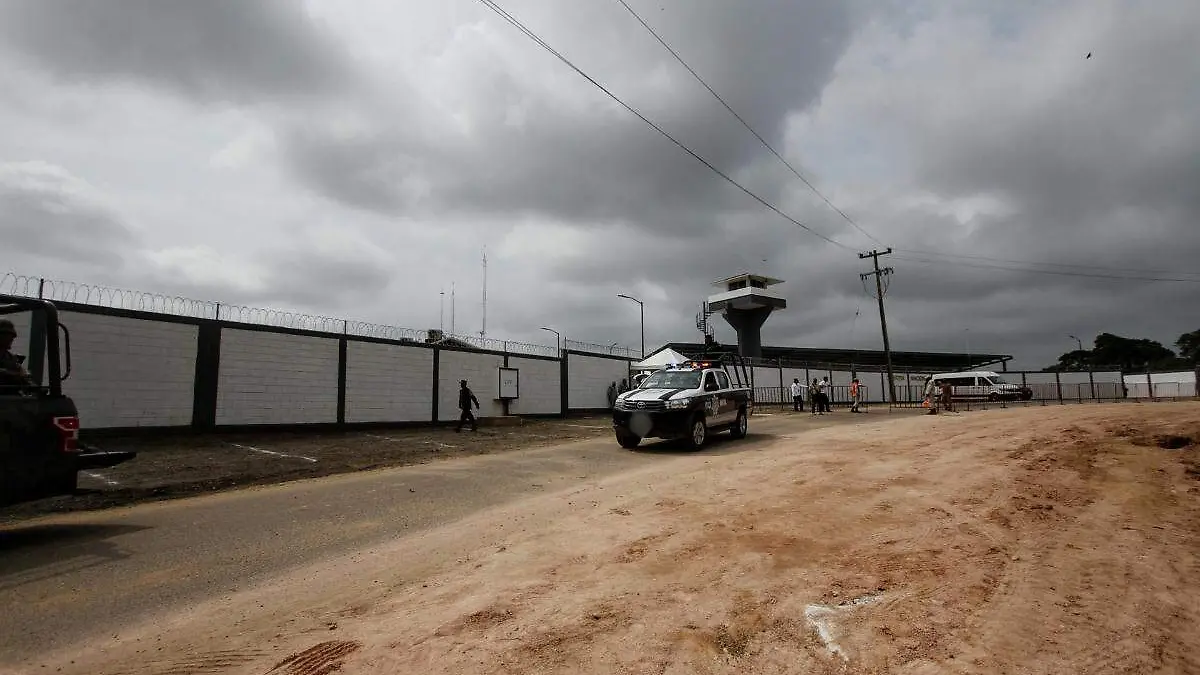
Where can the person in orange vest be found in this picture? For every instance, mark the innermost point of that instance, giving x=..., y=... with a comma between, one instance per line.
x=854, y=395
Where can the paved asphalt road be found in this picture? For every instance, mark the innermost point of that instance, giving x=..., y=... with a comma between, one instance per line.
x=69, y=578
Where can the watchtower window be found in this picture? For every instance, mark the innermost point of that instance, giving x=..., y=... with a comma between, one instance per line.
x=757, y=284
x=734, y=285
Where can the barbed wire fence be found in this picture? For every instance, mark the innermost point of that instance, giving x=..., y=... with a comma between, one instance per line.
x=613, y=349
x=174, y=305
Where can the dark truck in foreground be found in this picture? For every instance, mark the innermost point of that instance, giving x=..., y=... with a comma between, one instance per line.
x=40, y=452
x=687, y=401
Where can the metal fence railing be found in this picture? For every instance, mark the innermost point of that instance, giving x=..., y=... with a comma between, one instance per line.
x=839, y=396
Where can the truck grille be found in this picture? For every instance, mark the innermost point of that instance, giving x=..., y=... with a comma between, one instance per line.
x=648, y=406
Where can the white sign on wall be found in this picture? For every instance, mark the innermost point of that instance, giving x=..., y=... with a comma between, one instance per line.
x=510, y=383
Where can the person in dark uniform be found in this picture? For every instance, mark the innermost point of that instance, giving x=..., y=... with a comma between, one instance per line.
x=465, y=398
x=612, y=395
x=12, y=373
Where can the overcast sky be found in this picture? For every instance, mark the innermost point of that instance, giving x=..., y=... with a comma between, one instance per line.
x=352, y=159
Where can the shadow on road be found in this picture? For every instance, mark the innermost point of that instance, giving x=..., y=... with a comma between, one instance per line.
x=39, y=552
x=717, y=444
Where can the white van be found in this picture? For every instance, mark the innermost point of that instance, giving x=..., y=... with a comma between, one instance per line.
x=982, y=385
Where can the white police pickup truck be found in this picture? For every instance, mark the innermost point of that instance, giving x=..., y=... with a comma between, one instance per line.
x=687, y=401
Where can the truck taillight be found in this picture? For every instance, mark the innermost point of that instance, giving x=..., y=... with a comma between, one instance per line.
x=68, y=433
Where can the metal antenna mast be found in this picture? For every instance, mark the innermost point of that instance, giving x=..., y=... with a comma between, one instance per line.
x=483, y=332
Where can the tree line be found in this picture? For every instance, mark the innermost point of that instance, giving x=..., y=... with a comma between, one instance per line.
x=1132, y=354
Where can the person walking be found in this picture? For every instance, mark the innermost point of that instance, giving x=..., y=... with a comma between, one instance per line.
x=947, y=396
x=797, y=395
x=465, y=398
x=854, y=395
x=814, y=398
x=931, y=396
x=825, y=389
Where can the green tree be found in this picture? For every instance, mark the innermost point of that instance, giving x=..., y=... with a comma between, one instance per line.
x=1129, y=354
x=1132, y=353
x=1189, y=347
x=1074, y=360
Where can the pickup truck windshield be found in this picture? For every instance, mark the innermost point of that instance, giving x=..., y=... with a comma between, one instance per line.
x=686, y=379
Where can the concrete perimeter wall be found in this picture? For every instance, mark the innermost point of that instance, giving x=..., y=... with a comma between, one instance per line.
x=137, y=369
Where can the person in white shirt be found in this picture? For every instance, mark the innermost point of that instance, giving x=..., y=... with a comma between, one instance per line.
x=824, y=388
x=797, y=395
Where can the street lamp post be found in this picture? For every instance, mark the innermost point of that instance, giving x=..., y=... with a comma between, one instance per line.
x=642, y=314
x=1077, y=341
x=557, y=340
x=613, y=346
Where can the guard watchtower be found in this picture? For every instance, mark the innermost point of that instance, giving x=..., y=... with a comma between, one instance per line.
x=746, y=301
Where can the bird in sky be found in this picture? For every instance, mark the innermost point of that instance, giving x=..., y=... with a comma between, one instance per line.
x=1088, y=56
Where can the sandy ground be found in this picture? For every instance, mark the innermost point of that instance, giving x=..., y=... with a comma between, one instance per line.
x=1040, y=540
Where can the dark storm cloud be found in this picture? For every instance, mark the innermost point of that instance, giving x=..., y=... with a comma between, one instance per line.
x=768, y=59
x=47, y=213
x=313, y=281
x=210, y=50
x=1093, y=163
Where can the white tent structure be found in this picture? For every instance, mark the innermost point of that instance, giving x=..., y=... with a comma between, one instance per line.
x=659, y=359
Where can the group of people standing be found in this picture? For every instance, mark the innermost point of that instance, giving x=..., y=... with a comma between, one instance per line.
x=936, y=394
x=818, y=395
x=615, y=390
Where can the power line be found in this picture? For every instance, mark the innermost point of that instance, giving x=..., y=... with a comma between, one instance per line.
x=1091, y=275
x=1048, y=264
x=544, y=45
x=746, y=124
x=827, y=201
x=490, y=4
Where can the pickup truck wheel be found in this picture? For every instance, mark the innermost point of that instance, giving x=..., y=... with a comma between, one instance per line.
x=741, y=425
x=697, y=433
x=994, y=397
x=628, y=441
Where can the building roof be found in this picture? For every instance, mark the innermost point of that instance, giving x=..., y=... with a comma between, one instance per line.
x=768, y=281
x=865, y=358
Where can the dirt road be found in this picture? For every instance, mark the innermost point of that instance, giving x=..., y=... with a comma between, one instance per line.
x=170, y=466
x=1047, y=540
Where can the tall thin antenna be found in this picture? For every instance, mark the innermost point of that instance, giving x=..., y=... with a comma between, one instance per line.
x=442, y=311
x=452, y=308
x=483, y=332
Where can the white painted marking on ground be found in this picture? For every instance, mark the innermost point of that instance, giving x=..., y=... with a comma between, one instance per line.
x=251, y=448
x=821, y=617
x=100, y=477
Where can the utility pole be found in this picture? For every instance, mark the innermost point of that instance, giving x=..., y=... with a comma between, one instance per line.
x=442, y=311
x=879, y=274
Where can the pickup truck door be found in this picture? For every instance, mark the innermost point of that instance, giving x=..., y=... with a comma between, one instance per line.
x=724, y=408
x=730, y=406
